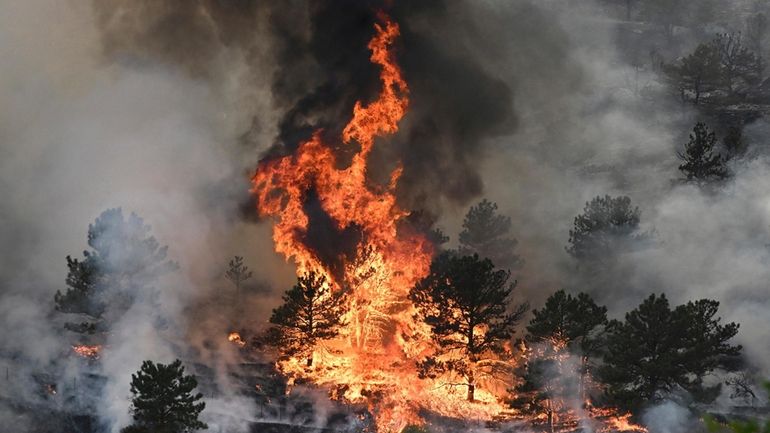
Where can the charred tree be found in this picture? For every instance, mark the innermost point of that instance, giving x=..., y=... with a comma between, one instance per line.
x=466, y=303
x=311, y=313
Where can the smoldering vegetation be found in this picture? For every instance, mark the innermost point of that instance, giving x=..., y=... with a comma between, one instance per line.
x=165, y=109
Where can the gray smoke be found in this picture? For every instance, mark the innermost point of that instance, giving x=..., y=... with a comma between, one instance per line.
x=164, y=108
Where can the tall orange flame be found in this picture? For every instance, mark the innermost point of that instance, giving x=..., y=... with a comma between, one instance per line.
x=374, y=359
x=387, y=263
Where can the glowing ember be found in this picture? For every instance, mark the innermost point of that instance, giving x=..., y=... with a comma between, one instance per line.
x=85, y=351
x=614, y=421
x=235, y=337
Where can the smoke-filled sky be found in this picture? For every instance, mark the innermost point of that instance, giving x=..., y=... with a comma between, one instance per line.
x=165, y=108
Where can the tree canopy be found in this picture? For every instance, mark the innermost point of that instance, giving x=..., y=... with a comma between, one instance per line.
x=163, y=400
x=606, y=225
x=657, y=352
x=124, y=259
x=466, y=303
x=699, y=163
x=310, y=313
x=488, y=234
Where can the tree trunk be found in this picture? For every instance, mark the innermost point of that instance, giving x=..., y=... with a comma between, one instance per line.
x=471, y=391
x=550, y=419
x=310, y=360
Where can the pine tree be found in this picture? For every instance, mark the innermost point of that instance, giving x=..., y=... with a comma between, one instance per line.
x=574, y=323
x=700, y=164
x=605, y=226
x=237, y=273
x=488, y=234
x=163, y=400
x=310, y=313
x=465, y=301
x=541, y=390
x=124, y=259
x=657, y=351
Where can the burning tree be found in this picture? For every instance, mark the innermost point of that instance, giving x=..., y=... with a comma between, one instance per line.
x=310, y=313
x=542, y=389
x=465, y=302
x=574, y=323
x=657, y=351
x=163, y=400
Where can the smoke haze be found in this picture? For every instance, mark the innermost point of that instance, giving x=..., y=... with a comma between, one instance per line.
x=165, y=108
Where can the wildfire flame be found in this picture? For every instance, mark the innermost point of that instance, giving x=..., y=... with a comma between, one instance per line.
x=86, y=351
x=614, y=421
x=372, y=356
x=373, y=361
x=235, y=337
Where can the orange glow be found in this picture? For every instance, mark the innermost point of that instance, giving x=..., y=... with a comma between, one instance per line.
x=235, y=337
x=85, y=351
x=374, y=359
x=614, y=421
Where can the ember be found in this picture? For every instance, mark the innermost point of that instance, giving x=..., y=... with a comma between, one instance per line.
x=235, y=337
x=86, y=351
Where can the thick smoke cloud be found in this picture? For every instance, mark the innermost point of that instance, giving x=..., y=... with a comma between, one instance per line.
x=320, y=68
x=164, y=108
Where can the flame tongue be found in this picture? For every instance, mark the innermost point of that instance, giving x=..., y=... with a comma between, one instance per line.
x=370, y=355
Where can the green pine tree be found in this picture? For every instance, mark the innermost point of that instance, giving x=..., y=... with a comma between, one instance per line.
x=699, y=163
x=310, y=314
x=163, y=400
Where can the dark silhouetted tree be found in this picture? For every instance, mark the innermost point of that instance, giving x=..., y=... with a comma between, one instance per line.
x=124, y=259
x=237, y=273
x=736, y=61
x=163, y=400
x=466, y=303
x=699, y=163
x=575, y=323
x=734, y=143
x=488, y=234
x=656, y=352
x=310, y=313
x=606, y=226
x=697, y=73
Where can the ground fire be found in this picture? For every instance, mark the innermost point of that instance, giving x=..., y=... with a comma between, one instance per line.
x=87, y=351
